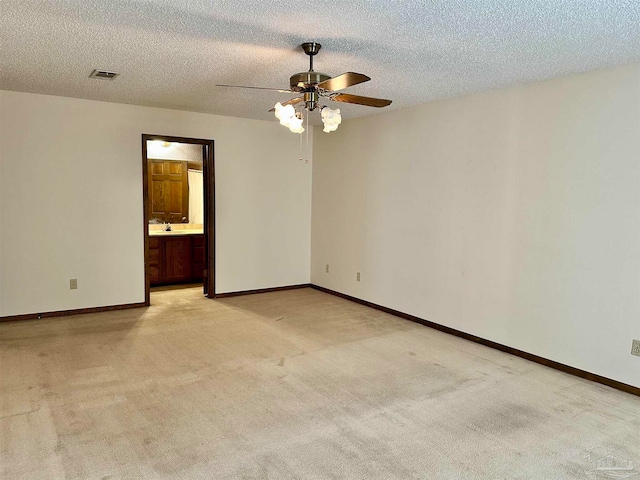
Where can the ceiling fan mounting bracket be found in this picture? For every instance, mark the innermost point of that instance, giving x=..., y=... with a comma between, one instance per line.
x=311, y=48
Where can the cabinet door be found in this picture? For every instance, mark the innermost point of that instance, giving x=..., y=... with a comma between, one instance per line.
x=154, y=257
x=168, y=190
x=177, y=259
x=197, y=257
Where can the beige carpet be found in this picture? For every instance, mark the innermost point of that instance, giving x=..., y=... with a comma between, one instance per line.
x=292, y=385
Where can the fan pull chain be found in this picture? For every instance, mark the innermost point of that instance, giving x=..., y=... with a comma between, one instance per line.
x=300, y=135
x=307, y=145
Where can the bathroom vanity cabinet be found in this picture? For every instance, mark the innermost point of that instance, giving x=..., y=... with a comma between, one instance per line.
x=176, y=258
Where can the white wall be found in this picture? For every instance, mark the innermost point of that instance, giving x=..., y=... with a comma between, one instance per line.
x=513, y=215
x=71, y=201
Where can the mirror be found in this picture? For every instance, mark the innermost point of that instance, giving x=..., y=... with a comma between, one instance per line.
x=168, y=191
x=175, y=182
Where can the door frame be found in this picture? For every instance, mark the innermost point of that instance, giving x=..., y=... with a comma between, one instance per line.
x=208, y=174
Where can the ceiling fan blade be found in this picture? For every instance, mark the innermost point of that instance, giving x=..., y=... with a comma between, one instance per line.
x=368, y=101
x=343, y=81
x=257, y=88
x=293, y=101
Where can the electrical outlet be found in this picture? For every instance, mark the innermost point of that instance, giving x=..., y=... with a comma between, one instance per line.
x=635, y=348
x=358, y=276
x=73, y=284
x=326, y=269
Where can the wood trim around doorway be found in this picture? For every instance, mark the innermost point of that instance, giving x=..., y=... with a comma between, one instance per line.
x=208, y=168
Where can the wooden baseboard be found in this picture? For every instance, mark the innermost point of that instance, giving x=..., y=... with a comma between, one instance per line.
x=498, y=346
x=66, y=313
x=261, y=290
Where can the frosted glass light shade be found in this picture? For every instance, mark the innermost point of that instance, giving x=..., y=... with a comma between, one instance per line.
x=284, y=114
x=330, y=118
x=288, y=117
x=295, y=125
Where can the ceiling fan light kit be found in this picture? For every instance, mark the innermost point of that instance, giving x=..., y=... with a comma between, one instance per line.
x=313, y=86
x=330, y=118
x=289, y=117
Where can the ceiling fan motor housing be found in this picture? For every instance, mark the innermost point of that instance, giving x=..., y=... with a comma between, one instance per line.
x=299, y=82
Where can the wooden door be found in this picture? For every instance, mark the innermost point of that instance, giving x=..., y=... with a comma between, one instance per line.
x=168, y=191
x=209, y=199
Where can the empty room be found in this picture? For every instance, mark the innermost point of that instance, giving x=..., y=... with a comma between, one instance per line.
x=330, y=240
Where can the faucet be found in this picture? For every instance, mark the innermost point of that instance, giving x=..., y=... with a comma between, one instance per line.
x=167, y=227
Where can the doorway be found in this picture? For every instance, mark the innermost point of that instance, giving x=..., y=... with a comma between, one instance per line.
x=179, y=234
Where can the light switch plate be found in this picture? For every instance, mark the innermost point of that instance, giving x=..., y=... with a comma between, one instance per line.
x=635, y=348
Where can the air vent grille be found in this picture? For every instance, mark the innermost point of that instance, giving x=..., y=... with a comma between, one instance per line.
x=103, y=75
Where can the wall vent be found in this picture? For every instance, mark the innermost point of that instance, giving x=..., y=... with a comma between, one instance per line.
x=103, y=75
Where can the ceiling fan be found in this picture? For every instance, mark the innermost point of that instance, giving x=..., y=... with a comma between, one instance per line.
x=311, y=86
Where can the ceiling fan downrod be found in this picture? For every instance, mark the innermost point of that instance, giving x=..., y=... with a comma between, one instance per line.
x=311, y=49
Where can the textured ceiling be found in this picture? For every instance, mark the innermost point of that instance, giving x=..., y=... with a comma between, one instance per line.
x=171, y=53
